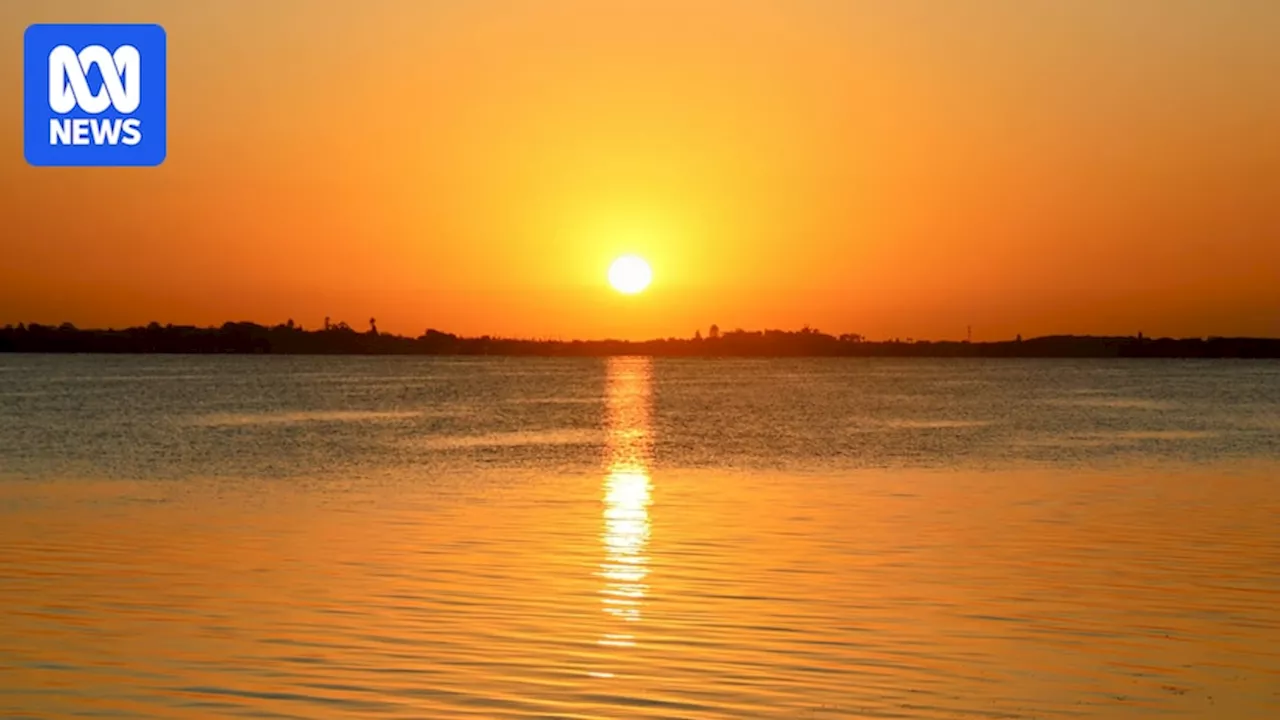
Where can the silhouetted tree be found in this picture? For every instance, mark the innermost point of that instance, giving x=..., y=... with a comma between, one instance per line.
x=697, y=334
x=373, y=326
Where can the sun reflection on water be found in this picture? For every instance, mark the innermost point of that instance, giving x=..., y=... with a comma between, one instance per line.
x=625, y=535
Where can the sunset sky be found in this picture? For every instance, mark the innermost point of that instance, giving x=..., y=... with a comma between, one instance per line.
x=901, y=168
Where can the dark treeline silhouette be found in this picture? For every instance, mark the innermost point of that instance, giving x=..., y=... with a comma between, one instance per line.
x=341, y=339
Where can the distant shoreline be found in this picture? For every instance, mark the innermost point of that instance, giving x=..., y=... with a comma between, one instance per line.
x=243, y=338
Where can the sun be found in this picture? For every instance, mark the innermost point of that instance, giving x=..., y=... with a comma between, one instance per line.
x=630, y=274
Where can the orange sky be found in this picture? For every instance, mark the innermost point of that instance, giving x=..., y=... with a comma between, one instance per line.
x=890, y=168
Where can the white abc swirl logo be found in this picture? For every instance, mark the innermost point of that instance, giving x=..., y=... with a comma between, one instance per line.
x=121, y=79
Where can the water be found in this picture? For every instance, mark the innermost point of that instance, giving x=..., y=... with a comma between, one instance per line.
x=272, y=537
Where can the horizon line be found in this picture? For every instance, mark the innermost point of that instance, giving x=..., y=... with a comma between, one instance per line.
x=341, y=327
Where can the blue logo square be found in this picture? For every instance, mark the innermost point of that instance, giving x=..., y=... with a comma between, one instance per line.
x=94, y=95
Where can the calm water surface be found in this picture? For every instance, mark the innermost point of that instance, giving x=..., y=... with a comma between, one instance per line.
x=186, y=537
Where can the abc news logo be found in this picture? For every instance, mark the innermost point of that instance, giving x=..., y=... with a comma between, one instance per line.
x=95, y=95
x=69, y=88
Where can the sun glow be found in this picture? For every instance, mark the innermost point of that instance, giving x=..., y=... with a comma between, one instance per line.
x=630, y=274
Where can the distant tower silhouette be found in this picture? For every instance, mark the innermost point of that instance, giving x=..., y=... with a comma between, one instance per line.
x=968, y=334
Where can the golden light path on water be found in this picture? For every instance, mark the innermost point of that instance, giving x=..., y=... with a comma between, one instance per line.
x=626, y=496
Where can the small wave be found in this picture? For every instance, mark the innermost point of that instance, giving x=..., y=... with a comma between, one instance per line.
x=24, y=393
x=513, y=439
x=1166, y=435
x=1113, y=403
x=140, y=377
x=936, y=424
x=1118, y=438
x=556, y=401
x=293, y=418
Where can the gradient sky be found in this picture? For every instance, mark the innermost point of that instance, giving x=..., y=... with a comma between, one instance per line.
x=900, y=168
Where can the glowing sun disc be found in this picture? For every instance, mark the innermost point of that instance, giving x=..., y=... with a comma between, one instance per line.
x=630, y=274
